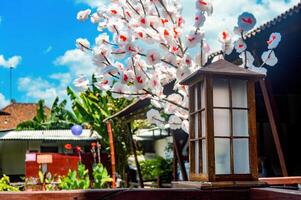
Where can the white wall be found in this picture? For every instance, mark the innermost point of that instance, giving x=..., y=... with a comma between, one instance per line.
x=12, y=153
x=160, y=146
x=13, y=157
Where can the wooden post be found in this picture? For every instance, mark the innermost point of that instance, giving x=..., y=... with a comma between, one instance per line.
x=179, y=157
x=136, y=158
x=112, y=153
x=275, y=132
x=174, y=164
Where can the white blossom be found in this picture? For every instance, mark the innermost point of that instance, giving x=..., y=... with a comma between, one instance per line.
x=274, y=40
x=269, y=58
x=83, y=15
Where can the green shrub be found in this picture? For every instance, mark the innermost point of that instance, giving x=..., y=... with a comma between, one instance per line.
x=5, y=184
x=101, y=176
x=157, y=167
x=76, y=179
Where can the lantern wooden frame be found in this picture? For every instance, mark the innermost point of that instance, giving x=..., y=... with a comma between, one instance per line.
x=202, y=113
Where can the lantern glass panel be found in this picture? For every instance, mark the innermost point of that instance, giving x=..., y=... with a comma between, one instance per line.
x=222, y=156
x=239, y=93
x=221, y=122
x=220, y=93
x=204, y=158
x=197, y=158
x=196, y=99
x=203, y=124
x=241, y=156
x=240, y=123
x=202, y=96
x=196, y=126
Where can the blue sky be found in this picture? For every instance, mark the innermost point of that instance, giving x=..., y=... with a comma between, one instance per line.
x=43, y=34
x=39, y=33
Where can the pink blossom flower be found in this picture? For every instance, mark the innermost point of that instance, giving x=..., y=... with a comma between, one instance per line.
x=154, y=117
x=152, y=57
x=246, y=21
x=205, y=6
x=82, y=43
x=95, y=18
x=274, y=40
x=269, y=58
x=83, y=15
x=199, y=19
x=240, y=45
x=174, y=122
x=104, y=83
x=194, y=38
x=185, y=126
x=81, y=82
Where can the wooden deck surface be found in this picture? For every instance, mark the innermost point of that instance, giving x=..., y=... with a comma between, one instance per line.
x=159, y=194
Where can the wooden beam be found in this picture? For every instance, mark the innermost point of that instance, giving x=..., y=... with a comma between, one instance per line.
x=135, y=156
x=174, y=165
x=289, y=180
x=179, y=157
x=272, y=120
x=274, y=194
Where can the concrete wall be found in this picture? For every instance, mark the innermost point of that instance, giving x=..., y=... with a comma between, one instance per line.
x=13, y=157
x=12, y=153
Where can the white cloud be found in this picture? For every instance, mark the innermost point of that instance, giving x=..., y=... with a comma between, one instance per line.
x=92, y=3
x=3, y=101
x=38, y=88
x=49, y=48
x=13, y=61
x=77, y=61
x=225, y=15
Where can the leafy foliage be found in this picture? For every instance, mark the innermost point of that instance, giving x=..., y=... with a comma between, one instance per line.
x=5, y=184
x=76, y=179
x=157, y=167
x=91, y=108
x=101, y=176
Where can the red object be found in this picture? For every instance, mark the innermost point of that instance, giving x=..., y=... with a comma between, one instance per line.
x=68, y=146
x=93, y=144
x=78, y=148
x=59, y=167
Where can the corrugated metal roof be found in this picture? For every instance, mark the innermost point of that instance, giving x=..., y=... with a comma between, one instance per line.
x=48, y=135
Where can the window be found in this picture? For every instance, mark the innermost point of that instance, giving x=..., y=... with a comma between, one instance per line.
x=49, y=149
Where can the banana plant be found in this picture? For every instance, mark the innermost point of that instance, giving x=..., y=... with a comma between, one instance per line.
x=91, y=107
x=59, y=117
x=101, y=176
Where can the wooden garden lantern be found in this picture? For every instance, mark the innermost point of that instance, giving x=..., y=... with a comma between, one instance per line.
x=222, y=123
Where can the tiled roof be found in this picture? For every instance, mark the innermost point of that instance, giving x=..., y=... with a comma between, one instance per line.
x=279, y=18
x=15, y=113
x=48, y=135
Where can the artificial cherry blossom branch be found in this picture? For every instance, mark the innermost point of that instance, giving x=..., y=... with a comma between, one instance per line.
x=168, y=13
x=127, y=1
x=143, y=8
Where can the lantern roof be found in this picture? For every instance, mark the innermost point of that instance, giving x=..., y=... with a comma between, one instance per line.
x=222, y=68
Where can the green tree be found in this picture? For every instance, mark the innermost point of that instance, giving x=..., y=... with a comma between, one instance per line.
x=59, y=117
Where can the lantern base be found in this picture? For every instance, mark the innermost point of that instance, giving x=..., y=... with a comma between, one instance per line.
x=216, y=185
